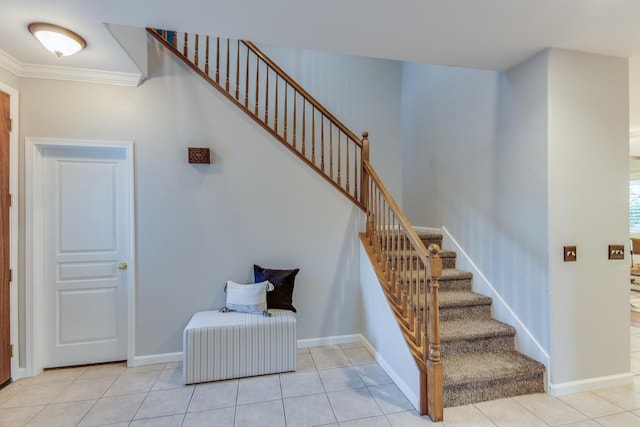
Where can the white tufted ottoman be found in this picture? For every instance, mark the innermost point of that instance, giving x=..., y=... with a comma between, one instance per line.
x=218, y=346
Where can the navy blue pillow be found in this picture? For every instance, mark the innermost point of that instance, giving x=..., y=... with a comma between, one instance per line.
x=283, y=282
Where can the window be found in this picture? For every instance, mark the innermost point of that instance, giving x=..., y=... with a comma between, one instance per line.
x=634, y=206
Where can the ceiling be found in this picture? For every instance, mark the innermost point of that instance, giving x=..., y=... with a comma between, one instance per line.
x=485, y=34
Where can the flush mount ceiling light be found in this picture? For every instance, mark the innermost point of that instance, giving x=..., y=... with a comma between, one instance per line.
x=56, y=39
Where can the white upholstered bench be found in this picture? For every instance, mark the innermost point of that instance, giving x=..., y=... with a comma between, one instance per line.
x=218, y=346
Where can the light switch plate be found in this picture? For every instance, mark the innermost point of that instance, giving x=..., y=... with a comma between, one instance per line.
x=570, y=253
x=616, y=251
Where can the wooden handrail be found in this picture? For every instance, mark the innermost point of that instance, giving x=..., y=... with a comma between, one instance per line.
x=404, y=266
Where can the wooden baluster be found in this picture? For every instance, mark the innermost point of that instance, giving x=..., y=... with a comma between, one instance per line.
x=257, y=84
x=331, y=150
x=409, y=308
x=218, y=60
x=295, y=121
x=405, y=268
x=195, y=56
x=304, y=126
x=246, y=84
x=322, y=143
x=355, y=172
x=186, y=44
x=313, y=135
x=339, y=159
x=347, y=164
x=364, y=158
x=238, y=70
x=286, y=96
x=435, y=392
x=266, y=98
x=275, y=114
x=174, y=40
x=206, y=59
x=227, y=79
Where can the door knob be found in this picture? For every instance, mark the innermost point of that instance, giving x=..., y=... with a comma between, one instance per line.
x=122, y=266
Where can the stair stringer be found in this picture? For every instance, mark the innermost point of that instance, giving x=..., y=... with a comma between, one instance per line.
x=383, y=335
x=525, y=342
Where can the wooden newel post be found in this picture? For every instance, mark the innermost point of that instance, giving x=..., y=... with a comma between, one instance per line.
x=435, y=388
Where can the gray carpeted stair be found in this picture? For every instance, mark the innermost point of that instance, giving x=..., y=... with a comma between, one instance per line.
x=478, y=352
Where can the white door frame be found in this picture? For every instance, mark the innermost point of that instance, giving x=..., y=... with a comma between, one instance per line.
x=16, y=372
x=34, y=263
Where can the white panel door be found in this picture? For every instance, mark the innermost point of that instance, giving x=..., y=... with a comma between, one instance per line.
x=86, y=227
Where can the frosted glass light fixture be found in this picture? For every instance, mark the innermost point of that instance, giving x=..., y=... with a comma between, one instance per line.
x=56, y=39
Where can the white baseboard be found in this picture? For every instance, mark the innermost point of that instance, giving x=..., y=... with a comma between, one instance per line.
x=571, y=387
x=155, y=358
x=18, y=374
x=404, y=388
x=339, y=339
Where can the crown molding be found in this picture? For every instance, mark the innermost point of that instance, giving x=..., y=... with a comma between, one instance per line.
x=53, y=72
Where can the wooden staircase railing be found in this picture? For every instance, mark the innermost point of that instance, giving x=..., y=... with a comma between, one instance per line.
x=274, y=100
x=405, y=268
x=409, y=276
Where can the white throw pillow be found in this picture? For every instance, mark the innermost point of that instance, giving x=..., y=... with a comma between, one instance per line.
x=250, y=298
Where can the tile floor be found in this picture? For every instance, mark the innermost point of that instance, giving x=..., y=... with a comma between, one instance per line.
x=339, y=385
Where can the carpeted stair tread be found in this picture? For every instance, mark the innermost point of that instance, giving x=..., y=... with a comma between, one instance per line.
x=487, y=367
x=455, y=330
x=449, y=299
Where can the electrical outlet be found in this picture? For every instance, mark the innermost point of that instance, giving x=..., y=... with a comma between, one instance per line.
x=616, y=251
x=570, y=253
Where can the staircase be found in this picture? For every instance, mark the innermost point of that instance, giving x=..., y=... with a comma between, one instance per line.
x=463, y=355
x=478, y=352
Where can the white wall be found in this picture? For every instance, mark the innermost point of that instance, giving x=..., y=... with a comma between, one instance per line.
x=363, y=93
x=198, y=226
x=634, y=96
x=588, y=207
x=474, y=162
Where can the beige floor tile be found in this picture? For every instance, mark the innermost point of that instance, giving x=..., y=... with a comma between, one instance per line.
x=413, y=419
x=340, y=379
x=223, y=417
x=621, y=396
x=17, y=417
x=355, y=344
x=390, y=399
x=373, y=374
x=143, y=369
x=172, y=365
x=62, y=414
x=303, y=350
x=353, y=404
x=300, y=384
x=106, y=370
x=85, y=389
x=168, y=421
x=587, y=423
x=305, y=363
x=506, y=412
x=214, y=395
x=336, y=347
x=165, y=402
x=590, y=404
x=170, y=378
x=467, y=415
x=263, y=414
x=133, y=383
x=111, y=410
x=550, y=409
x=59, y=375
x=359, y=356
x=306, y=411
x=623, y=419
x=259, y=389
x=380, y=421
x=35, y=394
x=330, y=359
